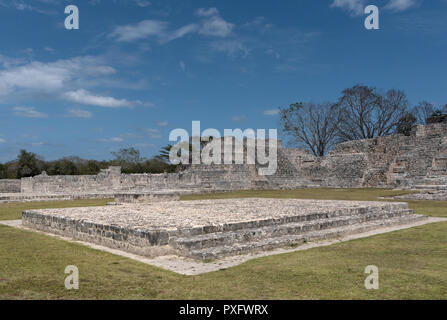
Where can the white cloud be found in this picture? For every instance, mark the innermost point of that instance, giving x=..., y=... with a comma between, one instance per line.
x=34, y=76
x=152, y=133
x=8, y=62
x=182, y=66
x=354, y=7
x=151, y=28
x=214, y=25
x=238, y=118
x=211, y=25
x=28, y=112
x=230, y=47
x=79, y=113
x=400, y=5
x=22, y=6
x=202, y=12
x=139, y=3
x=141, y=30
x=44, y=78
x=82, y=96
x=271, y=112
x=357, y=7
x=116, y=139
x=180, y=33
x=2, y=140
x=142, y=3
x=62, y=79
x=110, y=140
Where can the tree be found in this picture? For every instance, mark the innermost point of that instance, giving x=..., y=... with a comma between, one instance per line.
x=92, y=167
x=127, y=156
x=364, y=113
x=405, y=124
x=164, y=153
x=310, y=126
x=422, y=111
x=9, y=170
x=28, y=164
x=62, y=167
x=156, y=165
x=187, y=147
x=3, y=174
x=437, y=117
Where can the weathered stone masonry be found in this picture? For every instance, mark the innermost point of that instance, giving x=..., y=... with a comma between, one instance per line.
x=10, y=185
x=396, y=161
x=210, y=229
x=416, y=161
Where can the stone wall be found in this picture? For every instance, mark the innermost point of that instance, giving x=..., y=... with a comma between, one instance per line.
x=416, y=161
x=146, y=243
x=107, y=181
x=10, y=185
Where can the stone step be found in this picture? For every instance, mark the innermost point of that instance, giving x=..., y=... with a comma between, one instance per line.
x=431, y=187
x=271, y=231
x=296, y=239
x=380, y=209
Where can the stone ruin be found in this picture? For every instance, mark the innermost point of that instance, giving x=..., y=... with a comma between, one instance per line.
x=212, y=229
x=418, y=161
x=146, y=221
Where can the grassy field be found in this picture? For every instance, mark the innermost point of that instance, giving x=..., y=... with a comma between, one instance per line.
x=412, y=265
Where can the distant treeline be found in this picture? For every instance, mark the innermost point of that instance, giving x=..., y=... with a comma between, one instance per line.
x=29, y=164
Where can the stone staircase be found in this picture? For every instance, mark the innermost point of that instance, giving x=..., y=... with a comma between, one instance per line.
x=236, y=238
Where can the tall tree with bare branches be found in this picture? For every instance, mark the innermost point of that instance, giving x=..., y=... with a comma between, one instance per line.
x=309, y=125
x=423, y=111
x=364, y=113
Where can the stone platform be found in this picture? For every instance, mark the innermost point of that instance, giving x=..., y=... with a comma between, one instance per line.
x=38, y=197
x=210, y=229
x=143, y=197
x=129, y=197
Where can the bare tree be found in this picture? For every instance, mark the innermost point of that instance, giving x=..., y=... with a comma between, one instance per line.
x=422, y=111
x=310, y=126
x=127, y=156
x=364, y=113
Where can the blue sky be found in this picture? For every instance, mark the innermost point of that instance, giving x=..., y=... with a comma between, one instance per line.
x=137, y=69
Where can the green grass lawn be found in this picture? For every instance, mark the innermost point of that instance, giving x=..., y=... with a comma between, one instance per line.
x=317, y=193
x=412, y=265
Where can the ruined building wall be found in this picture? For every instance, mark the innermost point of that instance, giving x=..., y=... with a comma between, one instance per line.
x=107, y=181
x=416, y=161
x=9, y=185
